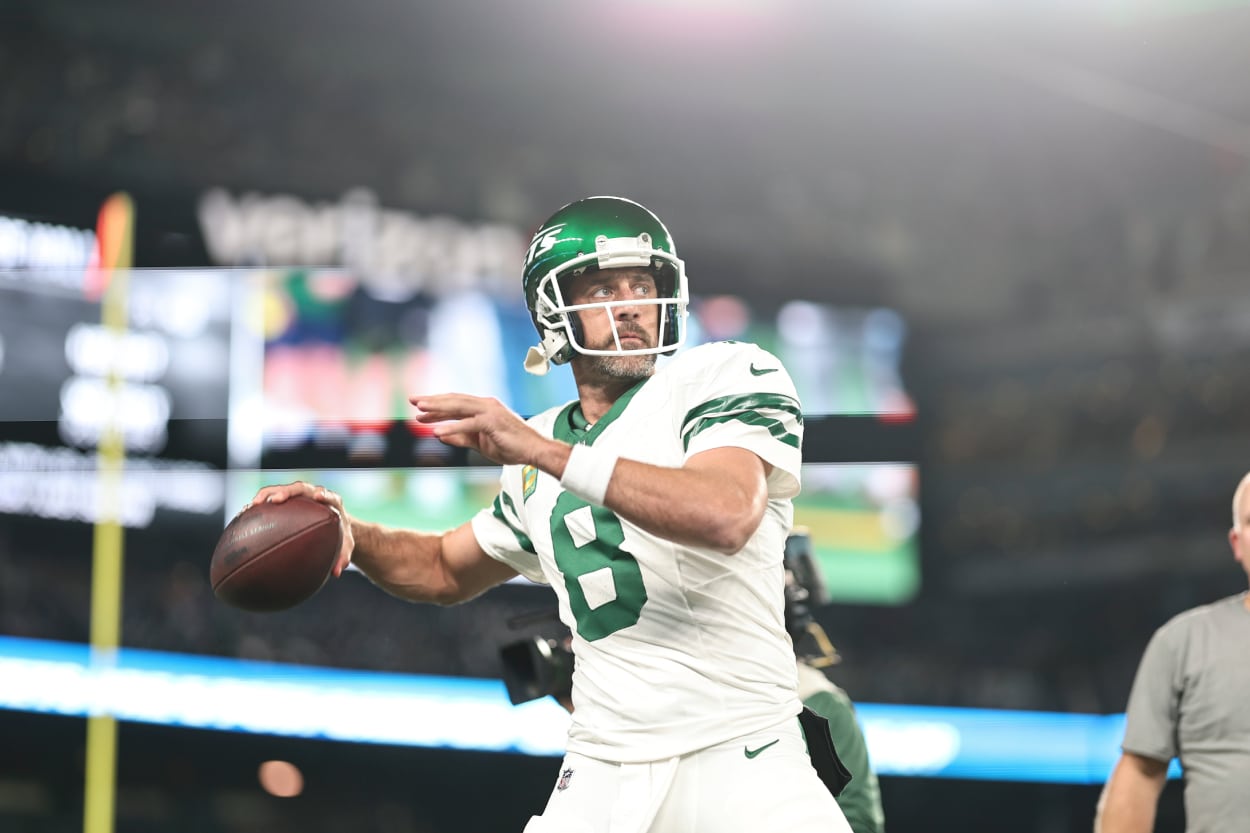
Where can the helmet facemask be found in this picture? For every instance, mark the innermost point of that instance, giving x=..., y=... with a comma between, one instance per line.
x=560, y=325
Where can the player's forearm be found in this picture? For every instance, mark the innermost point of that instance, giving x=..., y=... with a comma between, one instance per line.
x=701, y=507
x=403, y=562
x=686, y=506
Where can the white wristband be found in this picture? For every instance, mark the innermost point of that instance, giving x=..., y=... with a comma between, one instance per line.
x=588, y=472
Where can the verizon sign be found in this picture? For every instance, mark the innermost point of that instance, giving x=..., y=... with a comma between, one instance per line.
x=389, y=249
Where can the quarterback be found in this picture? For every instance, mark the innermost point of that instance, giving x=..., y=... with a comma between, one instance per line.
x=656, y=506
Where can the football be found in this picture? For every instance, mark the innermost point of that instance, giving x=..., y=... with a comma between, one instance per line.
x=273, y=556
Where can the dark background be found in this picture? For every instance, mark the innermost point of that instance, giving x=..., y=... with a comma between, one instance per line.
x=1055, y=196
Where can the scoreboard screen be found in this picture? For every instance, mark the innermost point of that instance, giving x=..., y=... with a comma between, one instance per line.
x=326, y=400
x=162, y=383
x=224, y=380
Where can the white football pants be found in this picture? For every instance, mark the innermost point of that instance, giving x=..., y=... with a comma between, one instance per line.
x=758, y=783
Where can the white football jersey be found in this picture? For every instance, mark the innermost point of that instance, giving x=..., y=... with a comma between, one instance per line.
x=677, y=647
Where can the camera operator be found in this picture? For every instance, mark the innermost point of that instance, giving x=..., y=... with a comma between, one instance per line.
x=860, y=800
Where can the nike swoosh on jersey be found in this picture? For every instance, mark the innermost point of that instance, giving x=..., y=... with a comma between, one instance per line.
x=758, y=371
x=751, y=753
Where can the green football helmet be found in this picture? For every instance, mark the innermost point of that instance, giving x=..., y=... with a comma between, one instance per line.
x=599, y=233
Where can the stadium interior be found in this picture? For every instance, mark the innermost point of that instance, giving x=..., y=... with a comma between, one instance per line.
x=1004, y=248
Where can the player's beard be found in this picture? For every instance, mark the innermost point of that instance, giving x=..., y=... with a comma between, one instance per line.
x=622, y=368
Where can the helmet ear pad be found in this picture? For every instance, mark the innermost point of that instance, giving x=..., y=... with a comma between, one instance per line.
x=576, y=332
x=666, y=287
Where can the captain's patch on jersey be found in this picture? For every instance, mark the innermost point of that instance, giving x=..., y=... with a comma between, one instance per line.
x=529, y=482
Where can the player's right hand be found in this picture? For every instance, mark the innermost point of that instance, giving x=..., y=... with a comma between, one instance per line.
x=285, y=491
x=480, y=423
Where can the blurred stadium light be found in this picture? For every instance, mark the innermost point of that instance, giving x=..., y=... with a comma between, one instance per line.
x=475, y=714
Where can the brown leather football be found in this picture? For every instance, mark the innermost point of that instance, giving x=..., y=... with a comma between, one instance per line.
x=273, y=556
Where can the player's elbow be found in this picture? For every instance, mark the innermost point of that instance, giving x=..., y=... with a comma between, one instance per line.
x=422, y=592
x=728, y=544
x=452, y=590
x=723, y=499
x=447, y=596
x=741, y=512
x=437, y=587
x=733, y=529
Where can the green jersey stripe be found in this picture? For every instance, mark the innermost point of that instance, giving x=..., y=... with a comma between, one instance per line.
x=521, y=538
x=746, y=409
x=775, y=427
x=746, y=402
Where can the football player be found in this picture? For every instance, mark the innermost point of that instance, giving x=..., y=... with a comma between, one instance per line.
x=656, y=506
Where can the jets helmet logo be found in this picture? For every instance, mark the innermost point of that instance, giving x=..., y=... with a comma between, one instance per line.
x=543, y=241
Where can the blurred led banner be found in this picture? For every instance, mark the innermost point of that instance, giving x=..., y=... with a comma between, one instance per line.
x=270, y=698
x=475, y=714
x=992, y=744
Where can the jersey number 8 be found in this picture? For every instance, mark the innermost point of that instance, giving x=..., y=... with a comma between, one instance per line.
x=601, y=552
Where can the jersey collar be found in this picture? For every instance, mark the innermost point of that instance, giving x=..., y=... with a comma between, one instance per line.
x=571, y=426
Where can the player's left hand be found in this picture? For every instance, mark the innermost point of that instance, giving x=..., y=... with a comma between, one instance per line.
x=476, y=422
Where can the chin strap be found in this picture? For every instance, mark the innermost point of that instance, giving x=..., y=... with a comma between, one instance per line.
x=538, y=359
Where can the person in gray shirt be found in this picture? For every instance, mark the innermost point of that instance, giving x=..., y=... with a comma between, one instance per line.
x=1189, y=700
